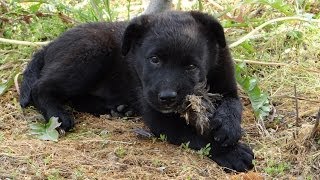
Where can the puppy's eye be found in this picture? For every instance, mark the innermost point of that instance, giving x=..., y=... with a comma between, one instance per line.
x=191, y=67
x=154, y=60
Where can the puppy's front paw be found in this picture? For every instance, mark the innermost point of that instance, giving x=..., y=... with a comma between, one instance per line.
x=67, y=123
x=225, y=131
x=238, y=157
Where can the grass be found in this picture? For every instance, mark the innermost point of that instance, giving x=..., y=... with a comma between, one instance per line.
x=163, y=137
x=277, y=169
x=205, y=151
x=104, y=147
x=120, y=152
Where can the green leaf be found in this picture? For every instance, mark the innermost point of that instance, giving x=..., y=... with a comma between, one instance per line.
x=259, y=100
x=37, y=128
x=52, y=135
x=53, y=123
x=47, y=131
x=252, y=84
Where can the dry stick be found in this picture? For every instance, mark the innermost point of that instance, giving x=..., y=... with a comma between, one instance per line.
x=296, y=102
x=262, y=127
x=314, y=130
x=249, y=35
x=16, y=83
x=261, y=63
x=275, y=64
x=292, y=97
x=109, y=141
x=27, y=43
x=6, y=66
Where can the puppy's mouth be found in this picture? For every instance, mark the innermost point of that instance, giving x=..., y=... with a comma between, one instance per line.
x=168, y=109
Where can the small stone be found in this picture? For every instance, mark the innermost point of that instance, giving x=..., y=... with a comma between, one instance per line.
x=161, y=169
x=104, y=132
x=143, y=133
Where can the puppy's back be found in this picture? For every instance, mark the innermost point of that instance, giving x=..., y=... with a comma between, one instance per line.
x=81, y=44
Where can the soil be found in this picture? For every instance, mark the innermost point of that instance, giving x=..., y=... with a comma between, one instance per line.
x=108, y=148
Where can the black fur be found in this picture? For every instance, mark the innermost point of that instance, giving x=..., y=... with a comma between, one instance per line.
x=150, y=64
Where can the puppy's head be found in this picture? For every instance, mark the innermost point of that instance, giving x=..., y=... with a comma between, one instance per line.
x=172, y=53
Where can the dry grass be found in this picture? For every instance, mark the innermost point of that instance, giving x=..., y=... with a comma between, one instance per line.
x=99, y=148
x=105, y=148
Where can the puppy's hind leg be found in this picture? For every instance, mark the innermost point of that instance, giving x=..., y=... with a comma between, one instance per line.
x=48, y=101
x=60, y=82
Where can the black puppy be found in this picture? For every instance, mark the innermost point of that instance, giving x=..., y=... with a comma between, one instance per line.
x=149, y=64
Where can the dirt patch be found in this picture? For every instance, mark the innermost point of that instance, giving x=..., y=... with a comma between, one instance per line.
x=107, y=148
x=99, y=147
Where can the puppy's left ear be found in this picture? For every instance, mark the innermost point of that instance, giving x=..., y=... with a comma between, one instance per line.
x=212, y=27
x=134, y=32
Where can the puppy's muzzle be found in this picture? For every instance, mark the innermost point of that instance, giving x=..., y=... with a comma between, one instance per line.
x=167, y=98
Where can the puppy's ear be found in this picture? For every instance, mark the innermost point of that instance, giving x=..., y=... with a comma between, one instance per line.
x=212, y=27
x=134, y=32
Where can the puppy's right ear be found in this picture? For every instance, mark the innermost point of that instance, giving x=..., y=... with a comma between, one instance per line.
x=134, y=32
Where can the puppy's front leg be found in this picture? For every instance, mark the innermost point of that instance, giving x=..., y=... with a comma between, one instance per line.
x=235, y=157
x=225, y=123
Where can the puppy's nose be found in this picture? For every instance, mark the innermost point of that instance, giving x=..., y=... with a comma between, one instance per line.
x=167, y=96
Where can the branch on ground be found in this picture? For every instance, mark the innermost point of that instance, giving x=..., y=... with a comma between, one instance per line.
x=27, y=43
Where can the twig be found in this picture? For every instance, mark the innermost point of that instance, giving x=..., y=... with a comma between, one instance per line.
x=292, y=97
x=27, y=43
x=262, y=127
x=305, y=69
x=276, y=64
x=6, y=66
x=249, y=35
x=111, y=141
x=16, y=83
x=296, y=103
x=314, y=130
x=273, y=33
x=261, y=63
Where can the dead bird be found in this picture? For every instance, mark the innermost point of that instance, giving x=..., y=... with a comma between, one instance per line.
x=199, y=107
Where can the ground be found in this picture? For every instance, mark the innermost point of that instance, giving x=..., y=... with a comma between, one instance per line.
x=108, y=148
x=99, y=147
